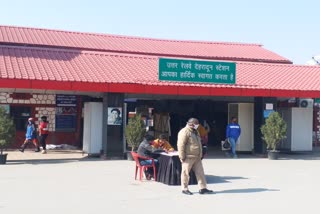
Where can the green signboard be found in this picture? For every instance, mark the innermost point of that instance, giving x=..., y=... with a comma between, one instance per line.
x=197, y=71
x=317, y=100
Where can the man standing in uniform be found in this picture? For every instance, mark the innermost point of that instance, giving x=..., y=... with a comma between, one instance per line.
x=190, y=154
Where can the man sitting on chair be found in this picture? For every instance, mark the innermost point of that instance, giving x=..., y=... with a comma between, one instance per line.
x=145, y=149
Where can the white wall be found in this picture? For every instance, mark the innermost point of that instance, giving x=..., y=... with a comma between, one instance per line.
x=92, y=128
x=301, y=136
x=246, y=123
x=299, y=128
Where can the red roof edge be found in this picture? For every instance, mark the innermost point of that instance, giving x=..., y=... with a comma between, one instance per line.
x=15, y=83
x=152, y=89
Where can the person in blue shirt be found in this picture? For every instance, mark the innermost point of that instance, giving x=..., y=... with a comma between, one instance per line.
x=232, y=134
x=31, y=136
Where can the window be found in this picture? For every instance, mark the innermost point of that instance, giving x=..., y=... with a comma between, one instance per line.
x=20, y=116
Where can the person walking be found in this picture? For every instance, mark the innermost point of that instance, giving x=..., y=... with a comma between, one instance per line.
x=190, y=154
x=31, y=136
x=233, y=132
x=43, y=133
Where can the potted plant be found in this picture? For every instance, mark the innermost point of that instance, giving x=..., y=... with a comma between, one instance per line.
x=134, y=133
x=273, y=131
x=7, y=133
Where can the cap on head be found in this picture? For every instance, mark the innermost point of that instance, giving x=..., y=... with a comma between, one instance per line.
x=30, y=119
x=193, y=121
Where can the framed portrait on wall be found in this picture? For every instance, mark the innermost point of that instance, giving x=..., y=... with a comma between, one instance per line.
x=114, y=116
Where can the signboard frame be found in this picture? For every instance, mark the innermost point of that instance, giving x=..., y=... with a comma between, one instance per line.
x=185, y=70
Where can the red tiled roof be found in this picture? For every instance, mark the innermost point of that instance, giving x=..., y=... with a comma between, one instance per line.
x=41, y=68
x=138, y=45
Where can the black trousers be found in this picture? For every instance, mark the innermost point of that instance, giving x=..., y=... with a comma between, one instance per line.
x=43, y=138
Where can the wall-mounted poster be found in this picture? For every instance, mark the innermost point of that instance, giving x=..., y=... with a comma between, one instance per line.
x=66, y=119
x=114, y=115
x=66, y=100
x=66, y=113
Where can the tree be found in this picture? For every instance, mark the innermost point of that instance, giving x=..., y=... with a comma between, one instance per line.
x=135, y=131
x=7, y=129
x=274, y=130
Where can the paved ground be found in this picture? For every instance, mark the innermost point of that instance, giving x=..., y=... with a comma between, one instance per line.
x=70, y=182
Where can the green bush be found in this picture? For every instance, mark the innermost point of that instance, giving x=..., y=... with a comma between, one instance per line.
x=135, y=132
x=273, y=131
x=7, y=129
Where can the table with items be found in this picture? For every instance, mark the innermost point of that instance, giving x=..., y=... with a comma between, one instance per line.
x=169, y=169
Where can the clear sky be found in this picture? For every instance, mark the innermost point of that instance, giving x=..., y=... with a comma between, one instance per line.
x=289, y=28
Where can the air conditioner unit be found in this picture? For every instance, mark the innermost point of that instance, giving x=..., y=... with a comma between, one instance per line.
x=306, y=103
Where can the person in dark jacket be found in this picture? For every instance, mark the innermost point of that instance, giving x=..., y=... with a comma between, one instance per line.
x=232, y=134
x=145, y=149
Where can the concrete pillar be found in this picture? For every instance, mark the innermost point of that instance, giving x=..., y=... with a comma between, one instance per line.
x=259, y=120
x=112, y=136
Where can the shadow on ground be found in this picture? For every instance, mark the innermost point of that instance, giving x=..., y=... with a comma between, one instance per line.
x=290, y=155
x=51, y=161
x=212, y=179
x=52, y=157
x=247, y=190
x=221, y=179
x=217, y=153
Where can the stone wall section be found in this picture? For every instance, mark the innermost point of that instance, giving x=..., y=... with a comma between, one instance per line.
x=50, y=112
x=36, y=99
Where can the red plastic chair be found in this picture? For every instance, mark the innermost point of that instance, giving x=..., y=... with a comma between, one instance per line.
x=137, y=158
